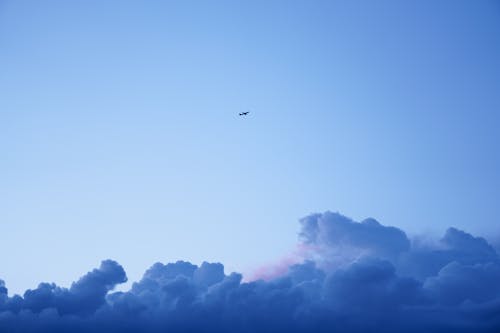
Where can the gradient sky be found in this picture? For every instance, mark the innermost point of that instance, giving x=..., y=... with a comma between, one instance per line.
x=120, y=136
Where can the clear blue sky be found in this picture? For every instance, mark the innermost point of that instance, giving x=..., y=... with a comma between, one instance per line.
x=119, y=133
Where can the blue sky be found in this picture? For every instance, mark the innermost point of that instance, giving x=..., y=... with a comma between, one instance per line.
x=120, y=138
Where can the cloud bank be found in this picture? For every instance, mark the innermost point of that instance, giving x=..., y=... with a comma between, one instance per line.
x=349, y=277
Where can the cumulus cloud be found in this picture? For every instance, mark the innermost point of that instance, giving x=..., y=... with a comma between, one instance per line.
x=345, y=277
x=332, y=230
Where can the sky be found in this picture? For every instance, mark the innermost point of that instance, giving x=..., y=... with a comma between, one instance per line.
x=120, y=136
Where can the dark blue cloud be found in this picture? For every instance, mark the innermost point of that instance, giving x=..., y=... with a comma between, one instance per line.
x=334, y=231
x=384, y=282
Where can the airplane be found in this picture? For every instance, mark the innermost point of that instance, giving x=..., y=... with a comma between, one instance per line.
x=244, y=113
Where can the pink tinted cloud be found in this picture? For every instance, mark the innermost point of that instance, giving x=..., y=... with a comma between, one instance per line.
x=280, y=267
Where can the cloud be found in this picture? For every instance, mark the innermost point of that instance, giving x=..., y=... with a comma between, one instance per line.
x=83, y=298
x=334, y=230
x=345, y=277
x=333, y=239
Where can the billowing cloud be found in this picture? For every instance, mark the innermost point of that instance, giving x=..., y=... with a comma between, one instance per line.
x=333, y=230
x=346, y=277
